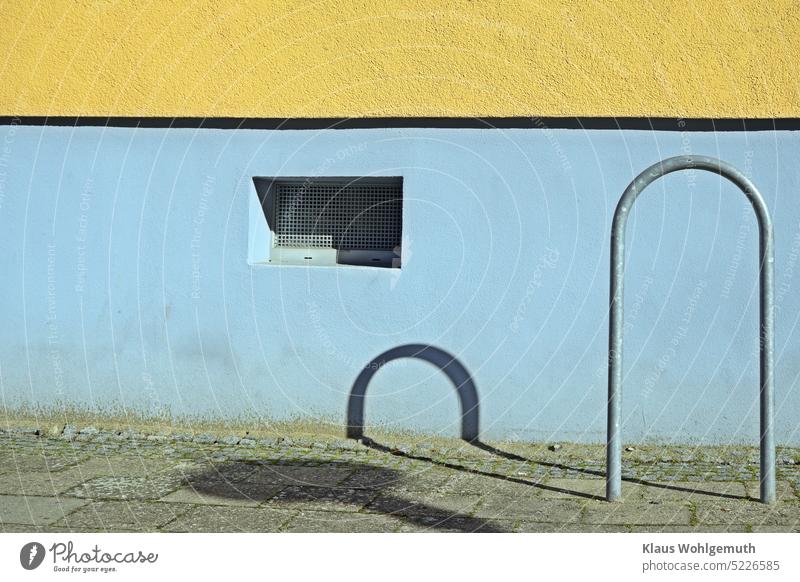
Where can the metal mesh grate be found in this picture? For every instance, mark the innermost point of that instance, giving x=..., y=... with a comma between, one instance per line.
x=359, y=216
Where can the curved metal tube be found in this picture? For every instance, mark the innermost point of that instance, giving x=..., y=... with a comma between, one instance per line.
x=767, y=314
x=453, y=369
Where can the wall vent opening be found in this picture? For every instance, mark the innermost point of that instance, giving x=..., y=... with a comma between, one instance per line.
x=334, y=221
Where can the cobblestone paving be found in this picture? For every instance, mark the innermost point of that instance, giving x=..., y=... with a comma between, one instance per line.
x=91, y=480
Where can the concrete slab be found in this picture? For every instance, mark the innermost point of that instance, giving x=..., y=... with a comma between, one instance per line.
x=426, y=479
x=784, y=491
x=30, y=510
x=125, y=488
x=677, y=491
x=752, y=513
x=230, y=519
x=322, y=499
x=231, y=494
x=36, y=460
x=433, y=504
x=330, y=522
x=594, y=489
x=112, y=516
x=298, y=476
x=531, y=509
x=527, y=526
x=436, y=524
x=636, y=513
x=474, y=484
x=35, y=483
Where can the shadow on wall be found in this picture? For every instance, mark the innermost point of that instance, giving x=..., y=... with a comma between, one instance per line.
x=337, y=490
x=447, y=363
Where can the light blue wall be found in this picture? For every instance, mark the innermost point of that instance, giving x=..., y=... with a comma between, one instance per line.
x=126, y=280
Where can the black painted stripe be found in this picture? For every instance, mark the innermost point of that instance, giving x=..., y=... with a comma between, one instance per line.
x=607, y=123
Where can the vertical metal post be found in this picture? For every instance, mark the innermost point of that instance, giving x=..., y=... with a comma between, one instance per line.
x=767, y=350
x=616, y=314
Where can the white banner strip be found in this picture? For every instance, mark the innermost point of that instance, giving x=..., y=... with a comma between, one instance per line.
x=390, y=557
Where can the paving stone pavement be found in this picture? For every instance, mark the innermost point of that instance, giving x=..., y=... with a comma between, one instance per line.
x=92, y=480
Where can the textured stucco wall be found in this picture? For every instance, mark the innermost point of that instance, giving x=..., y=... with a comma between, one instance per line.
x=384, y=58
x=126, y=282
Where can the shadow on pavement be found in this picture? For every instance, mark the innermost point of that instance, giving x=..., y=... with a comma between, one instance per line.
x=346, y=487
x=513, y=457
x=366, y=441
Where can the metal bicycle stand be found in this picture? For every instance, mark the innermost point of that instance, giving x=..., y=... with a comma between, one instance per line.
x=766, y=306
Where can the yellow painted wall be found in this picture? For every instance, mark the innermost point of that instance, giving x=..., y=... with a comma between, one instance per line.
x=394, y=58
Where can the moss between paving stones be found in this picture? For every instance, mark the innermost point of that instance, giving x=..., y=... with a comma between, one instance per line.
x=415, y=485
x=315, y=444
